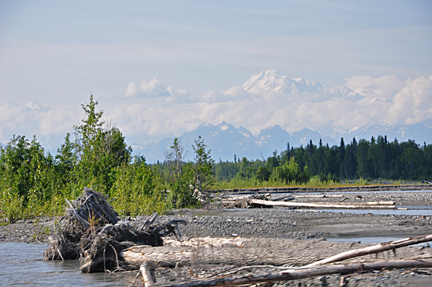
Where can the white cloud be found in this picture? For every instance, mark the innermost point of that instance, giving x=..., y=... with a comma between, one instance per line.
x=156, y=89
x=154, y=110
x=152, y=89
x=131, y=90
x=34, y=119
x=413, y=103
x=364, y=101
x=384, y=88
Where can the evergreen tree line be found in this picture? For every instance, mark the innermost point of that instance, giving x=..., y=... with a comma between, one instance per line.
x=363, y=159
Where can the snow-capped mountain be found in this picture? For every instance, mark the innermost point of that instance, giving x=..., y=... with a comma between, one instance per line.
x=271, y=81
x=225, y=141
x=421, y=132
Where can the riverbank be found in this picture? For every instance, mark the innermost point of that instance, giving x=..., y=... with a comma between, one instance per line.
x=308, y=226
x=348, y=188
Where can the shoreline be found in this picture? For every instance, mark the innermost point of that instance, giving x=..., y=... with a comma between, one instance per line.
x=300, y=189
x=310, y=227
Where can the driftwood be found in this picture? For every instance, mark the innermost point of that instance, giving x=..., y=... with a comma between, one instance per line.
x=92, y=230
x=374, y=205
x=87, y=213
x=237, y=251
x=181, y=256
x=248, y=252
x=254, y=251
x=289, y=275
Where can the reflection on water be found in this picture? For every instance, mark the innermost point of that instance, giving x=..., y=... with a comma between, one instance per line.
x=418, y=212
x=22, y=265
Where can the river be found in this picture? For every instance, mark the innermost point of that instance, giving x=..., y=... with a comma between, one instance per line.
x=21, y=264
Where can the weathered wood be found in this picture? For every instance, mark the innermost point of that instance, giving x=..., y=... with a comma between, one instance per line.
x=301, y=273
x=146, y=272
x=320, y=204
x=391, y=245
x=181, y=256
x=237, y=251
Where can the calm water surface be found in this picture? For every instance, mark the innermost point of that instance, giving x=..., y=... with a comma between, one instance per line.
x=21, y=264
x=373, y=240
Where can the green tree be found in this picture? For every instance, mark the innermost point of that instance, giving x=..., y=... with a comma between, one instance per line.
x=203, y=166
x=100, y=148
x=27, y=178
x=180, y=175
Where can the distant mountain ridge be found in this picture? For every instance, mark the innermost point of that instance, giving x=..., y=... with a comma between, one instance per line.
x=225, y=141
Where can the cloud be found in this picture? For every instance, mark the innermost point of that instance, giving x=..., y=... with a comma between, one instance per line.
x=154, y=110
x=35, y=119
x=152, y=89
x=131, y=90
x=364, y=101
x=384, y=88
x=413, y=103
x=156, y=89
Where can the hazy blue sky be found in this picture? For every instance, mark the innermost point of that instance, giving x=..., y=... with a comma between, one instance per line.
x=56, y=52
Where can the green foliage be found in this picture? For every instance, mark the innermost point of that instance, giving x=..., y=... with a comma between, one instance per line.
x=291, y=173
x=185, y=179
x=28, y=179
x=100, y=148
x=202, y=167
x=136, y=190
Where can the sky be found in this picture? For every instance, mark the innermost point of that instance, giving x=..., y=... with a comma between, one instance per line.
x=161, y=68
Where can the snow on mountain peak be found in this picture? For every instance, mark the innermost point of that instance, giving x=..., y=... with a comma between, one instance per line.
x=270, y=80
x=34, y=106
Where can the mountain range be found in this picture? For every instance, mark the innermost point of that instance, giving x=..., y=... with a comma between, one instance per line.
x=268, y=101
x=225, y=141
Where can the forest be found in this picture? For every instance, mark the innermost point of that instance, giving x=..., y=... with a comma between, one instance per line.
x=364, y=159
x=36, y=183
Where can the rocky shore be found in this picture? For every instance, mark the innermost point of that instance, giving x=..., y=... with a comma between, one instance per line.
x=291, y=224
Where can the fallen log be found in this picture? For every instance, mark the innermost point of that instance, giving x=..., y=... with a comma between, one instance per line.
x=320, y=204
x=183, y=256
x=289, y=275
x=237, y=251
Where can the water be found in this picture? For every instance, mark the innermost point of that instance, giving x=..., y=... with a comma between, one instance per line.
x=365, y=192
x=279, y=194
x=21, y=264
x=372, y=240
x=416, y=212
